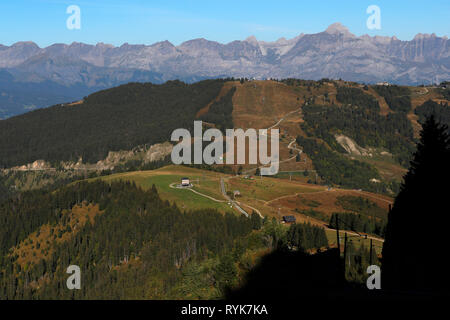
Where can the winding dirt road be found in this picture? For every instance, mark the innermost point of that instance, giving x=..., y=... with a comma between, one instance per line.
x=173, y=186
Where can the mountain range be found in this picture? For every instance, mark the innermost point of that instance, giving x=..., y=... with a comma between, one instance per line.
x=33, y=77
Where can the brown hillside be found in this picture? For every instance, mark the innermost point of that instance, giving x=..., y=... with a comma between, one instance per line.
x=260, y=104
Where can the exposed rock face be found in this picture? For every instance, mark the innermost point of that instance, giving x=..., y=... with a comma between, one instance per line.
x=114, y=158
x=156, y=152
x=73, y=165
x=334, y=53
x=36, y=165
x=351, y=146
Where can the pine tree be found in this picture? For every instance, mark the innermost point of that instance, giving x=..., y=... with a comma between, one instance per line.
x=256, y=221
x=415, y=247
x=225, y=273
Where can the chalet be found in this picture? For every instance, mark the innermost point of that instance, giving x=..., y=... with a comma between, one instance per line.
x=185, y=182
x=288, y=219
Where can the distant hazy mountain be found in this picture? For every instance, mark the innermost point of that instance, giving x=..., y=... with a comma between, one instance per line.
x=33, y=77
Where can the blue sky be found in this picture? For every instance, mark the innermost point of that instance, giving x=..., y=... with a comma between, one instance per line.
x=146, y=22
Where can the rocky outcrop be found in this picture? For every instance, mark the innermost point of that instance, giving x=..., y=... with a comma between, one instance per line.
x=154, y=153
x=35, y=166
x=158, y=152
x=351, y=146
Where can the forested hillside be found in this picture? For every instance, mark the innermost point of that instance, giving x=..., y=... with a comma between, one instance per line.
x=220, y=111
x=129, y=244
x=440, y=111
x=356, y=97
x=116, y=119
x=132, y=243
x=397, y=97
x=369, y=129
x=334, y=168
x=381, y=119
x=135, y=242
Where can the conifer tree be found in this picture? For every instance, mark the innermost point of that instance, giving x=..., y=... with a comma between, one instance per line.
x=415, y=248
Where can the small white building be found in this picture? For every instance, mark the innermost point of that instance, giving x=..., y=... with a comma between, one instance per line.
x=185, y=182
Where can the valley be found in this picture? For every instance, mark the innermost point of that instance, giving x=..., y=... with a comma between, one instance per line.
x=223, y=159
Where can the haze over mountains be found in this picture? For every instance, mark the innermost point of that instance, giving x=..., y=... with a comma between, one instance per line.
x=32, y=77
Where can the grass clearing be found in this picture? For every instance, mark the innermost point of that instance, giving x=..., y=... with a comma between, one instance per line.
x=206, y=182
x=268, y=189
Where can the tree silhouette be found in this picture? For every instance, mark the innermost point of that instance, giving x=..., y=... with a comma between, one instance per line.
x=415, y=247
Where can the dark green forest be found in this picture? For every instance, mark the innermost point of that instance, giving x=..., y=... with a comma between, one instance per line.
x=136, y=226
x=305, y=237
x=398, y=98
x=220, y=112
x=446, y=92
x=358, y=223
x=440, y=111
x=138, y=247
x=362, y=215
x=335, y=168
x=362, y=205
x=366, y=126
x=115, y=119
x=357, y=97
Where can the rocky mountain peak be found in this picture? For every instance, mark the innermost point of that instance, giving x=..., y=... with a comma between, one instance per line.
x=22, y=44
x=338, y=28
x=252, y=39
x=420, y=36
